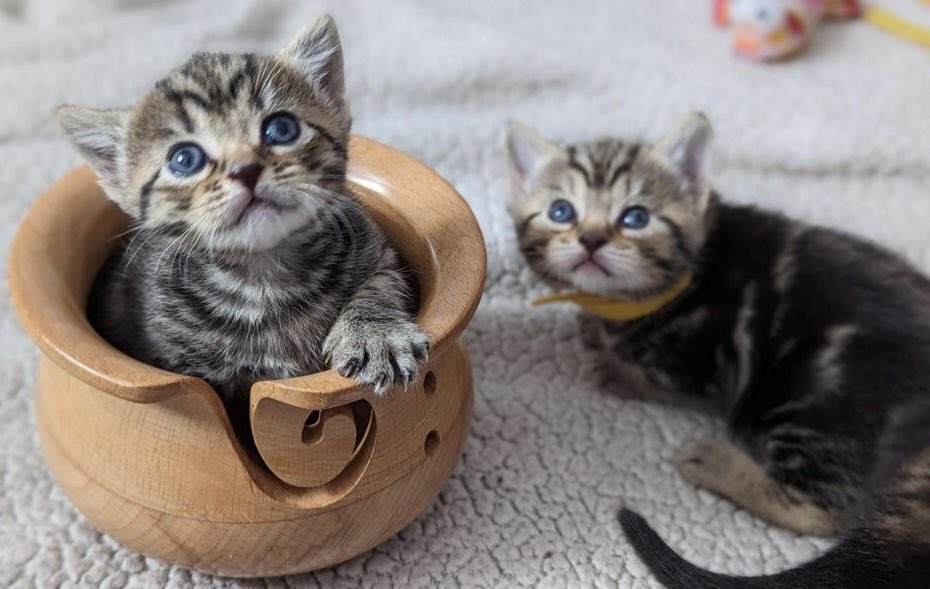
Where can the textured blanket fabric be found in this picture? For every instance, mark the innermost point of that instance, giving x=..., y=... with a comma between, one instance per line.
x=839, y=136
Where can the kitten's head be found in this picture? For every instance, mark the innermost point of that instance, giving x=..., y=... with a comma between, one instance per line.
x=611, y=218
x=233, y=151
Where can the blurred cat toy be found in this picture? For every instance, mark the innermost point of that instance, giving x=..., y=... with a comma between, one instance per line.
x=771, y=30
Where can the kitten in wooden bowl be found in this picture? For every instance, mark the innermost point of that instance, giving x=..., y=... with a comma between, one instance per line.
x=249, y=258
x=814, y=346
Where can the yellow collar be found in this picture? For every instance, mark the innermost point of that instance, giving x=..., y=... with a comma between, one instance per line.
x=620, y=310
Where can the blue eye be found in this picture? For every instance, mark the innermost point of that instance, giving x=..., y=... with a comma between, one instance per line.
x=280, y=129
x=635, y=218
x=562, y=211
x=187, y=159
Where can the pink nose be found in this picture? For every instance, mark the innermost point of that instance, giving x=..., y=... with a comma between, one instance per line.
x=247, y=175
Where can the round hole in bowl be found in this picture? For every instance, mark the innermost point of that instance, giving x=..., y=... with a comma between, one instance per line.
x=431, y=443
x=429, y=383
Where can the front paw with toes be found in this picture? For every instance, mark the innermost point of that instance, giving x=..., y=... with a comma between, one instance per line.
x=380, y=355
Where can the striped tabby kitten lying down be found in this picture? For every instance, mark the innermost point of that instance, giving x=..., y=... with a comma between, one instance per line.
x=249, y=257
x=814, y=345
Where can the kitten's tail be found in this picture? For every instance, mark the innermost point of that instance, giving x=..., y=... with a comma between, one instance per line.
x=860, y=561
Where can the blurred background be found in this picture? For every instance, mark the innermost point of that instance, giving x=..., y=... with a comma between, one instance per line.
x=838, y=135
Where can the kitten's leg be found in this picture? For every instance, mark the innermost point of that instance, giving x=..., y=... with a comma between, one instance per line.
x=376, y=340
x=623, y=376
x=722, y=468
x=633, y=382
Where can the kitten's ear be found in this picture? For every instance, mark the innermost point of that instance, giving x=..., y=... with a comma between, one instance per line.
x=317, y=52
x=527, y=154
x=686, y=151
x=99, y=136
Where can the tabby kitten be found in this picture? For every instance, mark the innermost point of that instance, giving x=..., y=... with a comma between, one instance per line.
x=249, y=258
x=813, y=344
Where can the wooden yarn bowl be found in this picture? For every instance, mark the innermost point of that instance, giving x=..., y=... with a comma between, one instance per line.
x=149, y=456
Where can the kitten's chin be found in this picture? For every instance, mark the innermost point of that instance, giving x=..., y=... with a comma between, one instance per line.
x=262, y=229
x=593, y=281
x=605, y=281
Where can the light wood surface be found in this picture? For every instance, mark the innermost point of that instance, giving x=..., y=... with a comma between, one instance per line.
x=150, y=457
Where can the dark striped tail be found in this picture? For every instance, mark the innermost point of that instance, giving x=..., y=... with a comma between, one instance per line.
x=859, y=561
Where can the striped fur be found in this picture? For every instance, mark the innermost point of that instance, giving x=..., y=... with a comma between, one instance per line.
x=812, y=344
x=210, y=284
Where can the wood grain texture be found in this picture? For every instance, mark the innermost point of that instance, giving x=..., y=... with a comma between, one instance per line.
x=150, y=457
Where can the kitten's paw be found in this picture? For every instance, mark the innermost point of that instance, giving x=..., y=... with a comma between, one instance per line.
x=382, y=355
x=709, y=464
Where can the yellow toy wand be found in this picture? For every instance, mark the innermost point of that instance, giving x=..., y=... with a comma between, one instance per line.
x=896, y=25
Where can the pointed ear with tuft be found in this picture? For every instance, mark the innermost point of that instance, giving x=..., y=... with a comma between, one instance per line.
x=99, y=136
x=527, y=154
x=317, y=52
x=686, y=152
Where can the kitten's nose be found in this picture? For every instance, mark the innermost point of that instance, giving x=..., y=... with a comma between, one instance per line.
x=592, y=241
x=247, y=174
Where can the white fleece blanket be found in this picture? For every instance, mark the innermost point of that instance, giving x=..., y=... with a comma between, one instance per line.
x=839, y=136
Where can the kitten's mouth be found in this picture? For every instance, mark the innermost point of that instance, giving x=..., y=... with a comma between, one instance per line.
x=590, y=265
x=260, y=205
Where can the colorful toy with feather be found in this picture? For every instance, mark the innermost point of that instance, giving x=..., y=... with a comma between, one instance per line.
x=770, y=30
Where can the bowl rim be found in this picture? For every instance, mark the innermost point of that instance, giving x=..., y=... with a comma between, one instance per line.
x=449, y=250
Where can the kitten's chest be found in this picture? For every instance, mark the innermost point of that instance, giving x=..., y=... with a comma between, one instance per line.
x=227, y=328
x=673, y=355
